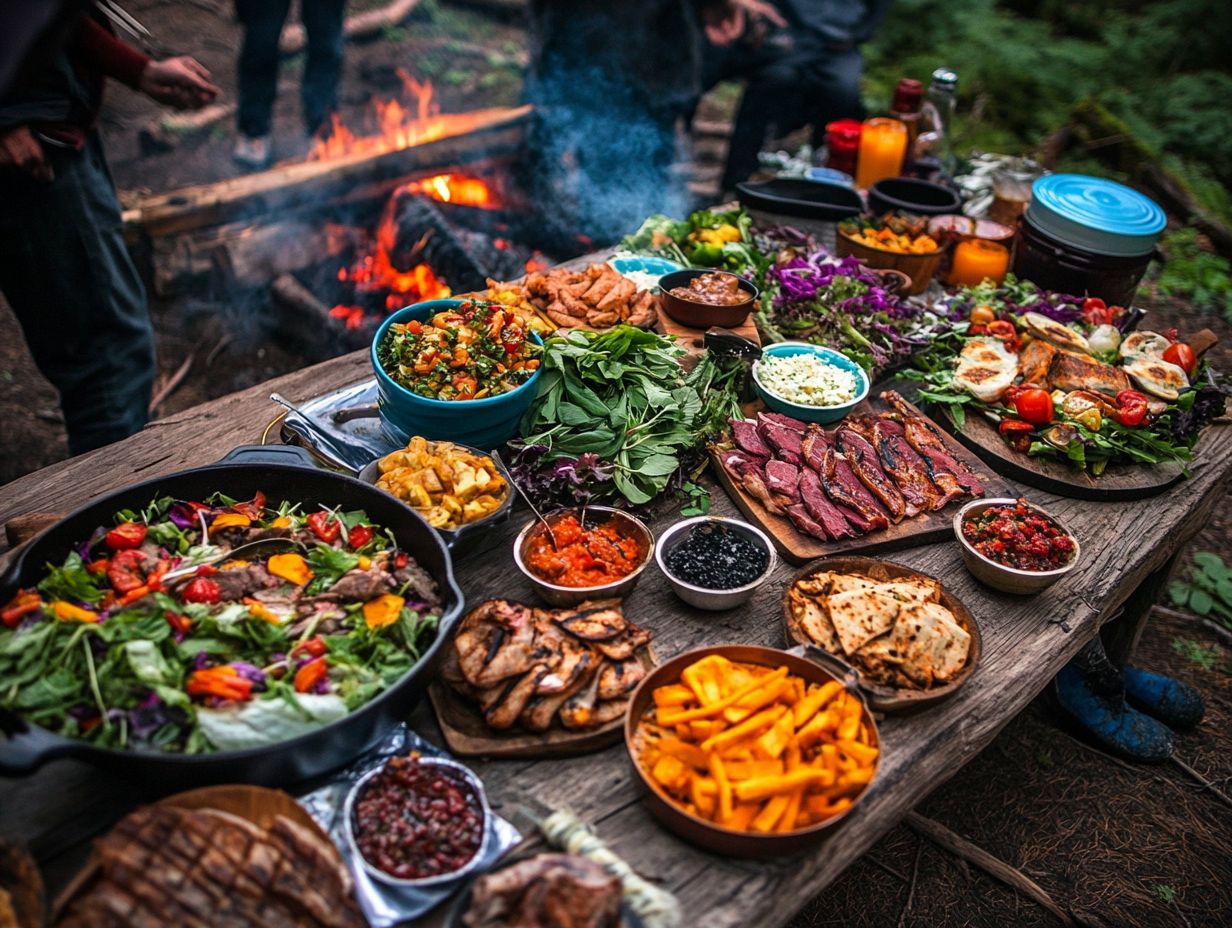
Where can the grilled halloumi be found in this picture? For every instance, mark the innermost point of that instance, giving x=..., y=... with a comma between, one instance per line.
x=986, y=368
x=1144, y=345
x=1081, y=372
x=1157, y=377
x=1054, y=332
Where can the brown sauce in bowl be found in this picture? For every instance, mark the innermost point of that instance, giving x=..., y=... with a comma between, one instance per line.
x=713, y=289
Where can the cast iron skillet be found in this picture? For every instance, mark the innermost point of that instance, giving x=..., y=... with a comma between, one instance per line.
x=281, y=472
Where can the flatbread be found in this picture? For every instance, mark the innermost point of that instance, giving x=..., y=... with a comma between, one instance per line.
x=859, y=616
x=911, y=591
x=932, y=645
x=814, y=622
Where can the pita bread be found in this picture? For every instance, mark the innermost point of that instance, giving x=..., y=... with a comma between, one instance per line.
x=911, y=591
x=859, y=616
x=814, y=622
x=932, y=645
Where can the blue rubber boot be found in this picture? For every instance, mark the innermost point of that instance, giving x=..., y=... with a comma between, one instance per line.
x=1174, y=703
x=1122, y=730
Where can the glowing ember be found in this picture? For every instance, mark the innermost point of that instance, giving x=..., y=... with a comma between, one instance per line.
x=455, y=188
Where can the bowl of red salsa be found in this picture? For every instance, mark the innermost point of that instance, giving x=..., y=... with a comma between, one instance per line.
x=598, y=553
x=1014, y=546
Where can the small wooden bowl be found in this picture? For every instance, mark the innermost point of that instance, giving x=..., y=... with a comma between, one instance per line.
x=698, y=315
x=881, y=697
x=919, y=268
x=699, y=831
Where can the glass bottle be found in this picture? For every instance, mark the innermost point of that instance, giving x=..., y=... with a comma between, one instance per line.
x=935, y=140
x=908, y=99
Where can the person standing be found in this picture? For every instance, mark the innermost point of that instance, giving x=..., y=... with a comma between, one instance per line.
x=258, y=70
x=805, y=68
x=64, y=268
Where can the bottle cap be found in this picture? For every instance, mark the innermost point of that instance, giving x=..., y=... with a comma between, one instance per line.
x=945, y=79
x=907, y=96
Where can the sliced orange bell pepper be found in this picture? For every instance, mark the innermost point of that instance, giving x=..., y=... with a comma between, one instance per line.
x=229, y=520
x=290, y=567
x=310, y=674
x=25, y=603
x=67, y=612
x=383, y=610
x=223, y=682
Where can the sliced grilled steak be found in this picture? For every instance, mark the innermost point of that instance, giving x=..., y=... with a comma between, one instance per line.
x=755, y=483
x=908, y=469
x=845, y=489
x=822, y=510
x=783, y=479
x=813, y=447
x=862, y=457
x=744, y=431
x=785, y=442
x=786, y=422
x=237, y=582
x=800, y=519
x=420, y=587
x=924, y=437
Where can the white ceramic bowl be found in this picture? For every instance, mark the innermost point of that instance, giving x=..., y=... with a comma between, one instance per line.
x=998, y=576
x=700, y=596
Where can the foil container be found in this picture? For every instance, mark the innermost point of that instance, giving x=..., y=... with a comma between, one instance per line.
x=384, y=904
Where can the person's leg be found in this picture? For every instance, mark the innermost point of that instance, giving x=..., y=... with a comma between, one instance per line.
x=323, y=23
x=257, y=65
x=69, y=278
x=772, y=98
x=832, y=87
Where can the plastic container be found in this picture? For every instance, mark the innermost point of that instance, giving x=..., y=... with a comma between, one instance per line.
x=1087, y=236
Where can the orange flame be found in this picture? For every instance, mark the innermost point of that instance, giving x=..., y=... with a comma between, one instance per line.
x=455, y=188
x=394, y=125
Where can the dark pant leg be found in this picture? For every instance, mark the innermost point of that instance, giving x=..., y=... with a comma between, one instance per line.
x=832, y=82
x=323, y=23
x=69, y=278
x=772, y=98
x=258, y=62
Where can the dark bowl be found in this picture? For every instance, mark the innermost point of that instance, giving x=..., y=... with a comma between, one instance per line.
x=699, y=831
x=908, y=195
x=704, y=315
x=803, y=199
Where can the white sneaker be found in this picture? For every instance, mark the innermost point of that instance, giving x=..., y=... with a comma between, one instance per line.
x=252, y=152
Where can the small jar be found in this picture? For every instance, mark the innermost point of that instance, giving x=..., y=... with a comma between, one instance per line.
x=843, y=144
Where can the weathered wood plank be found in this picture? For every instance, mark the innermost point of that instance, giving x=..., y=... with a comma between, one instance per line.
x=1025, y=642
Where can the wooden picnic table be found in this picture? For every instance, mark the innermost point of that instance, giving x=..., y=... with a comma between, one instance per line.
x=1127, y=548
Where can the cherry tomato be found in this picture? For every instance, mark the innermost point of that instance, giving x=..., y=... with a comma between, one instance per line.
x=1017, y=433
x=980, y=329
x=401, y=560
x=1182, y=356
x=125, y=536
x=1131, y=408
x=179, y=623
x=126, y=572
x=982, y=315
x=202, y=590
x=1004, y=330
x=359, y=536
x=325, y=526
x=1034, y=406
x=314, y=646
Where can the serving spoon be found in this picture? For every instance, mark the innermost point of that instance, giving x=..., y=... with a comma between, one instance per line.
x=243, y=552
x=538, y=515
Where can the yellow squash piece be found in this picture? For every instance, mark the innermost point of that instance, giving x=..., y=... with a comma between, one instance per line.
x=383, y=610
x=67, y=612
x=290, y=567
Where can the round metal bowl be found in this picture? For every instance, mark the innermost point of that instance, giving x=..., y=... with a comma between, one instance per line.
x=699, y=831
x=461, y=539
x=557, y=595
x=998, y=576
x=458, y=772
x=700, y=596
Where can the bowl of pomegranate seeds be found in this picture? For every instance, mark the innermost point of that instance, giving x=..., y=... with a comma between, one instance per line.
x=418, y=821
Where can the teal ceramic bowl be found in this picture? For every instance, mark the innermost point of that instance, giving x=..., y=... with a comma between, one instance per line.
x=819, y=414
x=483, y=423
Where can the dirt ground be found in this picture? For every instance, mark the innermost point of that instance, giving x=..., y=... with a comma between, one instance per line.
x=1114, y=844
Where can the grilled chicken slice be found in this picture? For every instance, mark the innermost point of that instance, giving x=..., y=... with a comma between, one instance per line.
x=594, y=621
x=904, y=464
x=618, y=678
x=845, y=489
x=608, y=711
x=566, y=659
x=621, y=648
x=1034, y=360
x=863, y=459
x=1081, y=372
x=541, y=710
x=495, y=642
x=514, y=700
x=579, y=709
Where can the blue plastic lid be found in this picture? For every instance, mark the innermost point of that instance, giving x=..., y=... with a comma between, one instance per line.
x=1095, y=215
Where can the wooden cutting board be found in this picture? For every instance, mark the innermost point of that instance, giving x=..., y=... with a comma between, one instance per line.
x=1056, y=475
x=468, y=735
x=926, y=528
x=690, y=339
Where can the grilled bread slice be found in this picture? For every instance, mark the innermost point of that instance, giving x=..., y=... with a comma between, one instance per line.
x=986, y=368
x=1054, y=332
x=1157, y=377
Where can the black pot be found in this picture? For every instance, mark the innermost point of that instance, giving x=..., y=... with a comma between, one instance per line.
x=280, y=472
x=803, y=199
x=1057, y=265
x=907, y=195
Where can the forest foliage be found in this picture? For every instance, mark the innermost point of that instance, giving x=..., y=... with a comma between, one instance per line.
x=1162, y=67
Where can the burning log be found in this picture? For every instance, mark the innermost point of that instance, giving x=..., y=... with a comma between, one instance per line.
x=465, y=259
x=465, y=138
x=303, y=322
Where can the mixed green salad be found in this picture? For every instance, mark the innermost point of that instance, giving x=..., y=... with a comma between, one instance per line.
x=165, y=631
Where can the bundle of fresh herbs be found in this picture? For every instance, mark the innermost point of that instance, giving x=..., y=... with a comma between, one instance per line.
x=617, y=420
x=705, y=239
